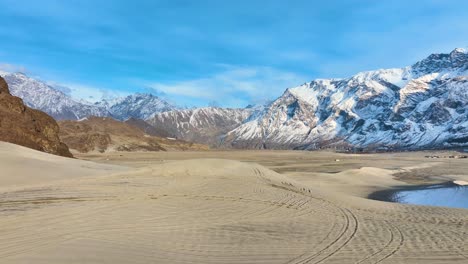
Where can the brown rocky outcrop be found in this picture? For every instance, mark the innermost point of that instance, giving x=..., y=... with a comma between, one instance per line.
x=28, y=127
x=104, y=134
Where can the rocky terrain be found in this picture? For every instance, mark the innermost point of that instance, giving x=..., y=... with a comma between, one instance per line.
x=422, y=106
x=202, y=125
x=147, y=128
x=141, y=106
x=416, y=107
x=28, y=127
x=103, y=134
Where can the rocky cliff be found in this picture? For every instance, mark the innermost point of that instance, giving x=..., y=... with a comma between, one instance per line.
x=28, y=127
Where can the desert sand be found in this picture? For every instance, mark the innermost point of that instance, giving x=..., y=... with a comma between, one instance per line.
x=223, y=207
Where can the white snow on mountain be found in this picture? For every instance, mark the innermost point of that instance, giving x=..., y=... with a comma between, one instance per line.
x=204, y=125
x=37, y=94
x=141, y=106
x=61, y=105
x=421, y=106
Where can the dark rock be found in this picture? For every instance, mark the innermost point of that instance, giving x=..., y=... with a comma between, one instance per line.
x=28, y=127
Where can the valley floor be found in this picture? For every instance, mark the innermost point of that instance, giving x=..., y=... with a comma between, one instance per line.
x=224, y=207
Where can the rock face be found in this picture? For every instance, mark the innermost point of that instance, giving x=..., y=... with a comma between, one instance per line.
x=201, y=125
x=421, y=106
x=147, y=128
x=103, y=134
x=28, y=127
x=140, y=106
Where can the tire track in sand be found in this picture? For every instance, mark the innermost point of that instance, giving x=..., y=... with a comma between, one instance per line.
x=390, y=248
x=347, y=233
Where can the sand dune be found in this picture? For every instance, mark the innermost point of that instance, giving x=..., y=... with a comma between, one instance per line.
x=212, y=210
x=21, y=166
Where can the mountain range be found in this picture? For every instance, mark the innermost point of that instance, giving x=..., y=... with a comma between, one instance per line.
x=42, y=96
x=204, y=125
x=420, y=106
x=103, y=134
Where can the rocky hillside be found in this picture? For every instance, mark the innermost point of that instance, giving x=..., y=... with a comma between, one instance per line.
x=420, y=106
x=202, y=125
x=148, y=129
x=140, y=106
x=28, y=127
x=103, y=134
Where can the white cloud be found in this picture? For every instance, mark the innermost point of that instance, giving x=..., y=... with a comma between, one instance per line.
x=6, y=67
x=233, y=86
x=86, y=92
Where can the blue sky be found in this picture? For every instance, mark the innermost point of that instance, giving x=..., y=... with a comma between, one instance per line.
x=228, y=53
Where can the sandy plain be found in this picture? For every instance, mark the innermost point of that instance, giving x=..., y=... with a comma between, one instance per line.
x=224, y=207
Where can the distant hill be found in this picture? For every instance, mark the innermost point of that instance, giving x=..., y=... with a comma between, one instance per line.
x=103, y=134
x=148, y=129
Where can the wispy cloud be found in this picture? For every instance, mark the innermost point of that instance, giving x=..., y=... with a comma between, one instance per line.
x=87, y=92
x=175, y=47
x=6, y=67
x=234, y=86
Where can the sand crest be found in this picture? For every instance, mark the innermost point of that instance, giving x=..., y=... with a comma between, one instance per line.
x=461, y=182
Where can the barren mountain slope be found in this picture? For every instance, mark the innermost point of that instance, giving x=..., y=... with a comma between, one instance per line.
x=28, y=127
x=202, y=125
x=106, y=134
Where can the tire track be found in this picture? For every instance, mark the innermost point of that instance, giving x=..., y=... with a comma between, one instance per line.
x=350, y=222
x=393, y=243
x=399, y=239
x=347, y=233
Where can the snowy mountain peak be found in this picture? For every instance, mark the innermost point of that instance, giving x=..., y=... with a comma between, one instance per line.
x=39, y=95
x=421, y=106
x=459, y=51
x=60, y=105
x=440, y=62
x=204, y=124
x=141, y=106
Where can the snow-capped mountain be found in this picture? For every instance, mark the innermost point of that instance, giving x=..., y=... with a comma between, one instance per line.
x=140, y=106
x=39, y=95
x=421, y=106
x=201, y=124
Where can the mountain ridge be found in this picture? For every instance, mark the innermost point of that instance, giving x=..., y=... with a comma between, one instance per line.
x=414, y=107
x=105, y=134
x=420, y=106
x=42, y=96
